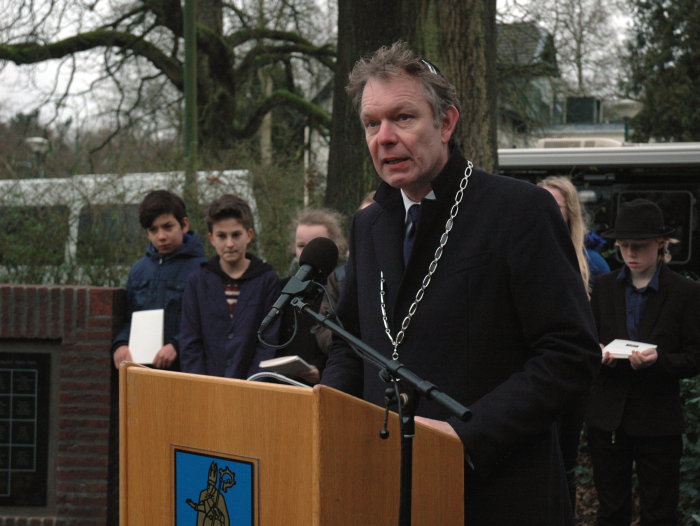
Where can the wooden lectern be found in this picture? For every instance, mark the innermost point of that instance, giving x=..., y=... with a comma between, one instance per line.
x=291, y=456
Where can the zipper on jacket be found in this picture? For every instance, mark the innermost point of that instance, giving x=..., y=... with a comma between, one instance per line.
x=613, y=437
x=161, y=260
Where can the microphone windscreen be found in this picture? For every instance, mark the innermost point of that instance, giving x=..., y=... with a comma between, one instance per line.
x=322, y=254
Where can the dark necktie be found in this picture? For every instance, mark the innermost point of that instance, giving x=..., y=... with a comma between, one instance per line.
x=414, y=213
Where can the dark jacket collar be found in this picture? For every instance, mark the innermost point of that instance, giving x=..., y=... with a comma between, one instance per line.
x=655, y=302
x=444, y=185
x=191, y=247
x=257, y=267
x=653, y=283
x=387, y=231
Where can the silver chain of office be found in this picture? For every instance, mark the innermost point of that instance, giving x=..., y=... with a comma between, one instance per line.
x=431, y=269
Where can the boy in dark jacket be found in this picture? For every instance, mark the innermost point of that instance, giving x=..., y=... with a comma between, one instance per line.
x=227, y=298
x=157, y=280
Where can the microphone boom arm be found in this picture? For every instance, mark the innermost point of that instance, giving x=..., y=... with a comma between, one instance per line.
x=417, y=388
x=294, y=287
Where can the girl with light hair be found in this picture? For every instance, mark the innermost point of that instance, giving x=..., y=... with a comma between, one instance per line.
x=570, y=423
x=565, y=194
x=311, y=342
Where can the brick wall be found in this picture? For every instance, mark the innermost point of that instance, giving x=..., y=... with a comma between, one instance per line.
x=84, y=320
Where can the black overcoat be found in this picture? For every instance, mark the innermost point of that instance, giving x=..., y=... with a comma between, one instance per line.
x=505, y=327
x=646, y=402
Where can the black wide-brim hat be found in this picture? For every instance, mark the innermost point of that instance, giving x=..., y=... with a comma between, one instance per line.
x=639, y=219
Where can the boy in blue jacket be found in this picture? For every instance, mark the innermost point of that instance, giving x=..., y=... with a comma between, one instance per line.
x=157, y=280
x=227, y=298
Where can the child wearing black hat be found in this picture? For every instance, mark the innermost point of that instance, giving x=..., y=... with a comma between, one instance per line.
x=634, y=414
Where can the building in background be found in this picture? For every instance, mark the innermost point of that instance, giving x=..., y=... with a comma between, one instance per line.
x=530, y=89
x=534, y=109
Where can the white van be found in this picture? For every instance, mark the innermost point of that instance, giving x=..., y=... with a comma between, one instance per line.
x=85, y=229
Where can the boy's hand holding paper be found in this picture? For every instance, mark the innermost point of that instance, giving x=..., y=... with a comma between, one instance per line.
x=622, y=349
x=643, y=359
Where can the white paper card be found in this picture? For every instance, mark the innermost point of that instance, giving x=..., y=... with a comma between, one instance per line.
x=622, y=349
x=146, y=337
x=285, y=365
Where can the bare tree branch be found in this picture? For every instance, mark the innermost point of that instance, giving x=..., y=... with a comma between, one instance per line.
x=245, y=35
x=115, y=23
x=263, y=55
x=242, y=17
x=34, y=53
x=136, y=39
x=316, y=114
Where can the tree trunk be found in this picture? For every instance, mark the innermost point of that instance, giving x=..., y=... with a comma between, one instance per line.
x=265, y=131
x=216, y=86
x=210, y=13
x=363, y=27
x=462, y=48
x=459, y=37
x=491, y=56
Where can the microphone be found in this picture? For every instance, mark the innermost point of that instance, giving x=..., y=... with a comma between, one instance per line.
x=317, y=260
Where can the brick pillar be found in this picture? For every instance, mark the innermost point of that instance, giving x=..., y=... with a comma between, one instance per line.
x=84, y=320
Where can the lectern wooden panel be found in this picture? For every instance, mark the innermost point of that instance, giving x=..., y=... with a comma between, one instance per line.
x=315, y=455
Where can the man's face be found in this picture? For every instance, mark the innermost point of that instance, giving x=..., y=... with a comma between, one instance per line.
x=407, y=149
x=166, y=233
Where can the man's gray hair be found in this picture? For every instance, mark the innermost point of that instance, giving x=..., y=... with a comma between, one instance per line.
x=399, y=60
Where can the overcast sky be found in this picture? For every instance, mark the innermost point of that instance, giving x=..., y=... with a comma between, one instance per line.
x=21, y=91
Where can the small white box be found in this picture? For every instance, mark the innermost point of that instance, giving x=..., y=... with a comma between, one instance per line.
x=285, y=365
x=622, y=349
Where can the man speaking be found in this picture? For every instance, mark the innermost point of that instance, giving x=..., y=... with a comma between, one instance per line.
x=481, y=273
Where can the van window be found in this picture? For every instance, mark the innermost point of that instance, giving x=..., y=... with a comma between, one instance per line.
x=33, y=235
x=109, y=235
x=677, y=208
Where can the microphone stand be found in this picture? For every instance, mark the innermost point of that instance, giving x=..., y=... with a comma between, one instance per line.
x=407, y=401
